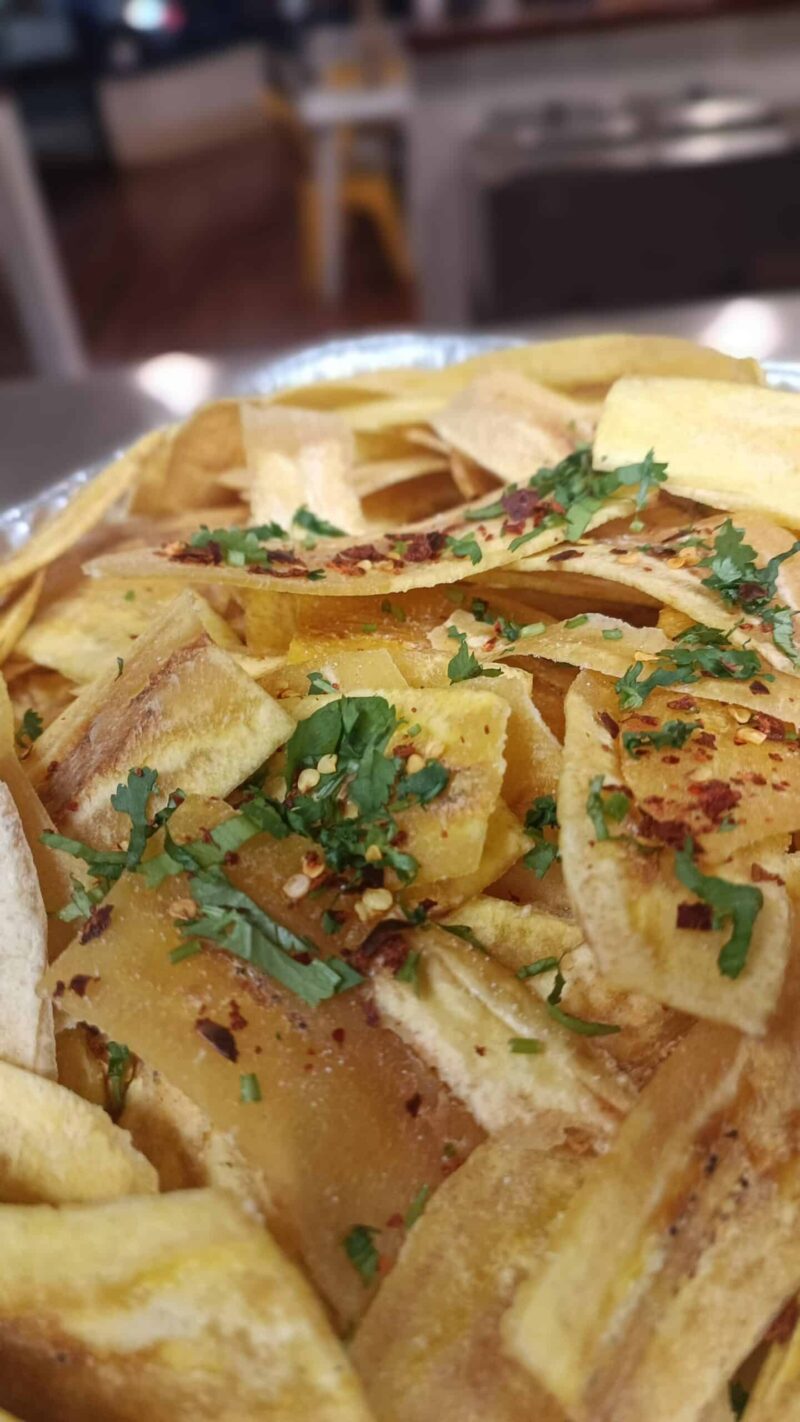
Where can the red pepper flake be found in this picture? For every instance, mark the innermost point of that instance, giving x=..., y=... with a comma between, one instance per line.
x=519, y=504
x=338, y=1035
x=60, y=988
x=696, y=915
x=716, y=797
x=184, y=553
x=97, y=922
x=782, y=1327
x=607, y=720
x=565, y=555
x=481, y=1051
x=413, y=1104
x=770, y=726
x=759, y=689
x=52, y=767
x=80, y=983
x=683, y=703
x=359, y=553
x=672, y=832
x=403, y=752
x=385, y=947
x=422, y=547
x=394, y=1222
x=670, y=759
x=372, y=1017
x=705, y=738
x=219, y=1037
x=756, y=779
x=760, y=875
x=237, y=1021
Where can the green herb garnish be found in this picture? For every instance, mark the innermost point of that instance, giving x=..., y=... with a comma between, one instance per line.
x=318, y=685
x=361, y=1251
x=605, y=805
x=527, y=1046
x=736, y=904
x=697, y=652
x=465, y=547
x=120, y=1070
x=249, y=1088
x=304, y=518
x=417, y=1206
x=30, y=728
x=672, y=735
x=465, y=665
x=239, y=547
x=542, y=816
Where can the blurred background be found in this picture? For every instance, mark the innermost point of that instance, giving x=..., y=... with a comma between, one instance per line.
x=190, y=186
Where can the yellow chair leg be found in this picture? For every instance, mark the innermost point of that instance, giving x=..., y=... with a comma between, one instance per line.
x=373, y=195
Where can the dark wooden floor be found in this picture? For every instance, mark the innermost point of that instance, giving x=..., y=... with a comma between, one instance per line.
x=199, y=255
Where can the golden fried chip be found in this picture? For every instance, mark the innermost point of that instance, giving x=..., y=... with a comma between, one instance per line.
x=81, y=633
x=511, y=426
x=15, y=615
x=169, y=1306
x=651, y=931
x=57, y=1149
x=429, y=1346
x=26, y=1023
x=299, y=458
x=84, y=510
x=468, y=1018
x=711, y=438
x=146, y=714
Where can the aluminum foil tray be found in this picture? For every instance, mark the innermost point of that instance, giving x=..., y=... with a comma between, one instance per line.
x=335, y=360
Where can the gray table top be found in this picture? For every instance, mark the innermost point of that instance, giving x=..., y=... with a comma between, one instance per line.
x=49, y=428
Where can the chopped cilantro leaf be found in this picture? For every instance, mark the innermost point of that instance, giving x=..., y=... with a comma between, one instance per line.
x=526, y=1046
x=467, y=934
x=417, y=1206
x=120, y=667
x=238, y=546
x=535, y=969
x=120, y=1070
x=106, y=865
x=605, y=805
x=319, y=686
x=249, y=1088
x=734, y=575
x=424, y=785
x=577, y=621
x=304, y=518
x=540, y=817
x=672, y=735
x=465, y=547
x=330, y=923
x=697, y=652
x=465, y=665
x=361, y=1251
x=30, y=728
x=409, y=971
x=612, y=634
x=736, y=904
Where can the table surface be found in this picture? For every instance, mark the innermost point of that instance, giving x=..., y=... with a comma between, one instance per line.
x=49, y=428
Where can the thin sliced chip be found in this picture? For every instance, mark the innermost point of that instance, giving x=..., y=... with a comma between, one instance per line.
x=412, y=501
x=466, y=733
x=183, y=1146
x=511, y=426
x=182, y=470
x=622, y=880
x=468, y=476
x=588, y=365
x=26, y=1029
x=84, y=511
x=524, y=935
x=505, y=842
x=171, y=1307
x=299, y=458
x=392, y=413
x=82, y=633
x=700, y=1187
x=370, y=476
x=467, y=1017
x=777, y=1390
x=331, y=1135
x=16, y=614
x=585, y=644
x=147, y=716
x=57, y=1149
x=430, y=1346
x=445, y=550
x=711, y=437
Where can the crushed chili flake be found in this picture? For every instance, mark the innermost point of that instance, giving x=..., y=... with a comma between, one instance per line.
x=770, y=726
x=706, y=738
x=60, y=988
x=672, y=832
x=481, y=1051
x=670, y=759
x=97, y=922
x=782, y=1327
x=80, y=983
x=760, y=875
x=422, y=547
x=697, y=915
x=394, y=1222
x=413, y=1104
x=759, y=689
x=237, y=1021
x=519, y=504
x=565, y=555
x=385, y=947
x=359, y=553
x=338, y=1035
x=219, y=1037
x=683, y=703
x=716, y=797
x=610, y=724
